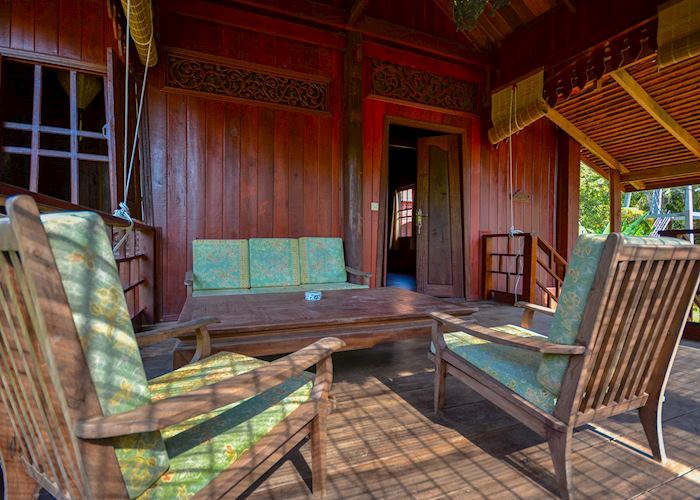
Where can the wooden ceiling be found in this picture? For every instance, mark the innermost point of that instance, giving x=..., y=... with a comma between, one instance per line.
x=433, y=17
x=611, y=117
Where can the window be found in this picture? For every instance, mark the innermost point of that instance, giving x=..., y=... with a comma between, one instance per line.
x=54, y=135
x=404, y=212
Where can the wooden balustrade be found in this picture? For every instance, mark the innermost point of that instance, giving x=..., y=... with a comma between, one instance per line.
x=135, y=259
x=521, y=267
x=692, y=327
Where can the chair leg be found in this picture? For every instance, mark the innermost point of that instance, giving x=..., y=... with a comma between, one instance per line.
x=440, y=380
x=650, y=416
x=318, y=453
x=560, y=448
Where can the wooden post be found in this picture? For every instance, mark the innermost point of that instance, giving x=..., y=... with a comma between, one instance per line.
x=529, y=278
x=615, y=201
x=568, y=193
x=147, y=265
x=352, y=165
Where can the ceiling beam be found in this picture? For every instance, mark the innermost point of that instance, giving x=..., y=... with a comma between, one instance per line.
x=588, y=143
x=333, y=17
x=630, y=85
x=666, y=172
x=358, y=7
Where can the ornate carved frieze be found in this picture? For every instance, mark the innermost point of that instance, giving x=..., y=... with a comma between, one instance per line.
x=248, y=82
x=402, y=83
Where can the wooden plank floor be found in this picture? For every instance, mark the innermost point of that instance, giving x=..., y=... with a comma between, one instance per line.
x=384, y=441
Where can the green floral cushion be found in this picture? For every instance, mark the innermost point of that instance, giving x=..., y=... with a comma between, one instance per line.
x=218, y=264
x=274, y=262
x=574, y=296
x=204, y=446
x=85, y=261
x=322, y=260
x=513, y=367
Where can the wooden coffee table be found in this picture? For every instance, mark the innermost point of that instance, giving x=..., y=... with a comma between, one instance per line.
x=278, y=323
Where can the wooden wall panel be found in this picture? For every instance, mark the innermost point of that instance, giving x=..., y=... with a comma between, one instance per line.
x=73, y=29
x=238, y=170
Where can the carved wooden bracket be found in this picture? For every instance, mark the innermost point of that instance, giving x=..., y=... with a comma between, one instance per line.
x=401, y=83
x=238, y=80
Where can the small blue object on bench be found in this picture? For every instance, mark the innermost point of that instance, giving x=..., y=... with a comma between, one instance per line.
x=269, y=265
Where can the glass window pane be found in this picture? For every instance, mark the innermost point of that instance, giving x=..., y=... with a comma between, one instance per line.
x=91, y=103
x=14, y=169
x=55, y=100
x=21, y=138
x=54, y=142
x=54, y=177
x=92, y=146
x=94, y=185
x=17, y=92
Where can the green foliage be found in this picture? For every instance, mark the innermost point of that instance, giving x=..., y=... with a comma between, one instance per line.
x=467, y=12
x=594, y=216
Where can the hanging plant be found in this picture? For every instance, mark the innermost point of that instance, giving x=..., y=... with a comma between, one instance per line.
x=467, y=12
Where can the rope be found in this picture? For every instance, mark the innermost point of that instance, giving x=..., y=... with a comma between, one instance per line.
x=512, y=232
x=123, y=210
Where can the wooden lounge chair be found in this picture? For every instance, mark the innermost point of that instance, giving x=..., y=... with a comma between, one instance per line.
x=78, y=417
x=613, y=339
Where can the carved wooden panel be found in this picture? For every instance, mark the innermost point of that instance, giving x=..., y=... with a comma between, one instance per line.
x=239, y=80
x=396, y=82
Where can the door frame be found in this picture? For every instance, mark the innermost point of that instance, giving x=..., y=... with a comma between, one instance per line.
x=383, y=227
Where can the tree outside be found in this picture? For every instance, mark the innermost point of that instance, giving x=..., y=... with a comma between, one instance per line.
x=595, y=206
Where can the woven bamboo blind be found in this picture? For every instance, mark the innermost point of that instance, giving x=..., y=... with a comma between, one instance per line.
x=516, y=106
x=678, y=36
x=141, y=21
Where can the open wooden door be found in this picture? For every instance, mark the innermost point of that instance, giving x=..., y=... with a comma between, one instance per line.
x=439, y=269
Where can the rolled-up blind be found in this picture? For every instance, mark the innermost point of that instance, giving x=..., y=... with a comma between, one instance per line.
x=678, y=34
x=141, y=28
x=517, y=105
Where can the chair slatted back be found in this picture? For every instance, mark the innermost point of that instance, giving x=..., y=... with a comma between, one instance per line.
x=45, y=384
x=632, y=325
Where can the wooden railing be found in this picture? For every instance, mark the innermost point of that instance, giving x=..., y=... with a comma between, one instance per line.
x=135, y=259
x=523, y=267
x=692, y=327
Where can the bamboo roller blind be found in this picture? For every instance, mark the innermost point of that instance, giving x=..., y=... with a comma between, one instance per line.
x=517, y=105
x=678, y=36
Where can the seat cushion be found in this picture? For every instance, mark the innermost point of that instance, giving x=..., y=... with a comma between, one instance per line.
x=332, y=286
x=85, y=261
x=513, y=367
x=274, y=262
x=202, y=447
x=580, y=274
x=322, y=260
x=220, y=264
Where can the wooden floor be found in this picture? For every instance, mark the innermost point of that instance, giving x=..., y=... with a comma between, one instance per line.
x=384, y=441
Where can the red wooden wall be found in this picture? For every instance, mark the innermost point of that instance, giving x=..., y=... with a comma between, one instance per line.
x=228, y=170
x=75, y=29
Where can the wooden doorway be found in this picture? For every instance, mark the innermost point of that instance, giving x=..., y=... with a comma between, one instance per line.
x=421, y=235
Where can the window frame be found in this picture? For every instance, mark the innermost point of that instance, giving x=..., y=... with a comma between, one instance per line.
x=35, y=152
x=405, y=214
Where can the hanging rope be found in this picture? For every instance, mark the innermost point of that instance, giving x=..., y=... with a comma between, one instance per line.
x=128, y=161
x=512, y=232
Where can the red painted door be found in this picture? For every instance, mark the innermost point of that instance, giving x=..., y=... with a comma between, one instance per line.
x=439, y=269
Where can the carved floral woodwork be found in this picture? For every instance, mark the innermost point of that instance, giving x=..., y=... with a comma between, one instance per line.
x=239, y=80
x=396, y=82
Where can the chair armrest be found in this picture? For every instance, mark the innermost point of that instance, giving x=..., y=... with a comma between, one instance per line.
x=169, y=411
x=356, y=272
x=177, y=330
x=530, y=310
x=529, y=343
x=188, y=283
x=536, y=308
